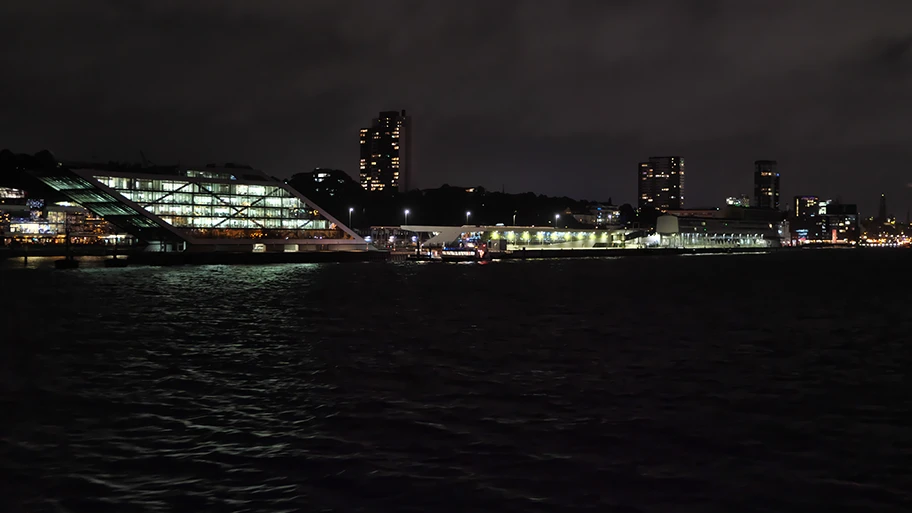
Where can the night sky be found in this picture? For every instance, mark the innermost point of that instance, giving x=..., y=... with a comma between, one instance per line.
x=554, y=97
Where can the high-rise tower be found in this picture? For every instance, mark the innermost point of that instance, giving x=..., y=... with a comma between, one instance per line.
x=882, y=211
x=386, y=152
x=660, y=183
x=766, y=184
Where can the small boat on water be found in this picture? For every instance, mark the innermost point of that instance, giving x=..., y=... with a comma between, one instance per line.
x=475, y=253
x=458, y=255
x=445, y=255
x=456, y=252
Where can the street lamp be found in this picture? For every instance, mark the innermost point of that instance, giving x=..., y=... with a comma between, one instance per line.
x=556, y=217
x=350, y=210
x=514, y=218
x=406, y=215
x=467, y=216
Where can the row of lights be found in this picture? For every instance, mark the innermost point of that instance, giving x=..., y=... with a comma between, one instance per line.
x=467, y=215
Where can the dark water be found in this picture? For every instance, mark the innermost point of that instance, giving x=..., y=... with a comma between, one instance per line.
x=727, y=383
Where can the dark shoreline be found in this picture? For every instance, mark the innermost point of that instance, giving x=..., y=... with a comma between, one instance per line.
x=212, y=258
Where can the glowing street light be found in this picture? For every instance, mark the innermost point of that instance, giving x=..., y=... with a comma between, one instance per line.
x=556, y=217
x=514, y=218
x=350, y=210
x=406, y=215
x=467, y=216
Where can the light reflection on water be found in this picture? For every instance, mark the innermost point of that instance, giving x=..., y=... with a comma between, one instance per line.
x=712, y=384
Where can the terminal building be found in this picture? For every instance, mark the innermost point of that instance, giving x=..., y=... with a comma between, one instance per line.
x=517, y=238
x=229, y=208
x=717, y=232
x=672, y=232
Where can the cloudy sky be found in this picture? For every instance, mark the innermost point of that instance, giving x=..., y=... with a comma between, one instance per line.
x=557, y=97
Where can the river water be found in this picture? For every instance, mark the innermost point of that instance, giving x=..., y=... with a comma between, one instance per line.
x=775, y=382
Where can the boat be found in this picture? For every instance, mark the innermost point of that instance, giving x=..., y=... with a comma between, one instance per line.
x=458, y=255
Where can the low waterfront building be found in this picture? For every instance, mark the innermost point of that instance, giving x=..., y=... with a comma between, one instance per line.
x=596, y=215
x=391, y=238
x=11, y=193
x=841, y=223
x=818, y=221
x=710, y=232
x=32, y=221
x=516, y=238
x=230, y=208
x=753, y=214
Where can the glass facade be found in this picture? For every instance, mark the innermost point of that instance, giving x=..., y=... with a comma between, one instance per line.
x=98, y=202
x=212, y=207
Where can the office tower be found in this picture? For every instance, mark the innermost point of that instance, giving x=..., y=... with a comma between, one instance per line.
x=882, y=211
x=645, y=185
x=661, y=183
x=806, y=206
x=841, y=223
x=809, y=221
x=766, y=184
x=386, y=153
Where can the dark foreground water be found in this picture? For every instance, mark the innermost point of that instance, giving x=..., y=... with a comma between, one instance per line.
x=673, y=384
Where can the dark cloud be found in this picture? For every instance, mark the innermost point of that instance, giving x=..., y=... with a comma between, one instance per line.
x=558, y=97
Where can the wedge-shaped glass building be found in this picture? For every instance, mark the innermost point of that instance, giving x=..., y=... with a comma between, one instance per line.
x=209, y=209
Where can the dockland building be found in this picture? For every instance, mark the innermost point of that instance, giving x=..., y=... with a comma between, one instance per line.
x=212, y=208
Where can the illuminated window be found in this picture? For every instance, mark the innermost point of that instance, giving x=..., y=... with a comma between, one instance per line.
x=221, y=210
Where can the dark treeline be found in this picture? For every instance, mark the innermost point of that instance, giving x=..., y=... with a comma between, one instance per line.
x=13, y=174
x=443, y=206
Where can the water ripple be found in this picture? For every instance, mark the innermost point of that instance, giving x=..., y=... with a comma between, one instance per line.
x=591, y=385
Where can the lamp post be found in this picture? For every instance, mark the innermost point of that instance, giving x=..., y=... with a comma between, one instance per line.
x=350, y=210
x=467, y=216
x=514, y=218
x=406, y=215
x=556, y=217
